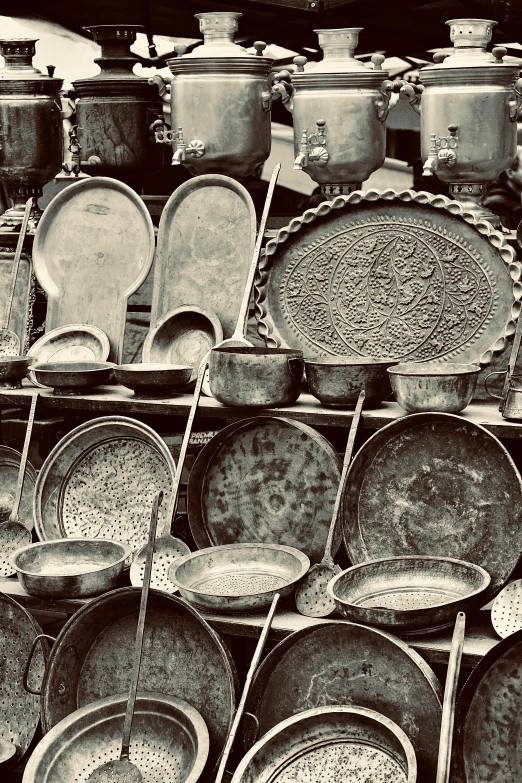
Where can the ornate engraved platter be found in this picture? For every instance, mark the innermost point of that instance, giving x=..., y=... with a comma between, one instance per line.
x=435, y=484
x=407, y=276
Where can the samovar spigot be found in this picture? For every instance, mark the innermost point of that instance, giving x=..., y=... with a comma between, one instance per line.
x=313, y=148
x=75, y=167
x=443, y=153
x=431, y=161
x=194, y=148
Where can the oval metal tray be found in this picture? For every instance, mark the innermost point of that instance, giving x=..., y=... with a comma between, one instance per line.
x=264, y=480
x=343, y=663
x=435, y=484
x=407, y=276
x=19, y=710
x=72, y=343
x=100, y=480
x=182, y=656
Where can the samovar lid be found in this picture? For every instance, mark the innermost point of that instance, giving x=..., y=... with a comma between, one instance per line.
x=218, y=28
x=338, y=46
x=470, y=38
x=18, y=54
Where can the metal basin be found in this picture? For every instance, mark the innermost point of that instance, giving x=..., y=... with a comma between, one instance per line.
x=329, y=744
x=67, y=378
x=153, y=379
x=434, y=386
x=238, y=577
x=337, y=380
x=12, y=370
x=409, y=595
x=169, y=742
x=71, y=567
x=256, y=377
x=183, y=336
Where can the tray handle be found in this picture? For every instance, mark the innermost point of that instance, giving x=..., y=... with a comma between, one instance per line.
x=25, y=680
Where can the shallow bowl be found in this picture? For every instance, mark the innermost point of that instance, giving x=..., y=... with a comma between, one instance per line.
x=153, y=379
x=434, y=386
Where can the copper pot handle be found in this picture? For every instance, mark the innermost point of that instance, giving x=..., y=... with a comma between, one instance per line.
x=498, y=372
x=25, y=680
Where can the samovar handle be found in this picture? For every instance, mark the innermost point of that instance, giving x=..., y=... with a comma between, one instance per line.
x=281, y=86
x=413, y=94
x=515, y=105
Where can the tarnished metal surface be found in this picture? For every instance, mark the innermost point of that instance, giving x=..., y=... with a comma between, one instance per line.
x=489, y=717
x=9, y=469
x=330, y=744
x=238, y=577
x=506, y=612
x=21, y=312
x=343, y=663
x=71, y=567
x=256, y=377
x=338, y=380
x=20, y=710
x=151, y=379
x=167, y=550
x=73, y=377
x=99, y=482
x=209, y=227
x=12, y=371
x=382, y=274
x=265, y=480
x=71, y=343
x=409, y=595
x=435, y=484
x=434, y=386
x=93, y=248
x=182, y=656
x=169, y=741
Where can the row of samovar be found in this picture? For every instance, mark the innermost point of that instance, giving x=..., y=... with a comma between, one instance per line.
x=221, y=96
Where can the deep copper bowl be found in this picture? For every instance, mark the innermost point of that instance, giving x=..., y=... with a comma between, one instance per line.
x=73, y=377
x=337, y=380
x=153, y=379
x=434, y=386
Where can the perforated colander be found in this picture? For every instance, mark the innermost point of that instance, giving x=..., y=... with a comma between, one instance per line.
x=167, y=551
x=170, y=741
x=506, y=612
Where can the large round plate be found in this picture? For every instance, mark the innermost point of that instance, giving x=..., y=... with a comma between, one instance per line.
x=344, y=663
x=407, y=276
x=264, y=480
x=489, y=717
x=92, y=249
x=100, y=481
x=182, y=656
x=19, y=710
x=9, y=469
x=435, y=484
x=72, y=343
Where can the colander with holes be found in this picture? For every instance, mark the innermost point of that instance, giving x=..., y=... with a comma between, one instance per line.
x=170, y=741
x=238, y=577
x=409, y=595
x=330, y=745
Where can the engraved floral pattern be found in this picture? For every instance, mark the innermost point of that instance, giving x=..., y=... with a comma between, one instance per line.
x=387, y=291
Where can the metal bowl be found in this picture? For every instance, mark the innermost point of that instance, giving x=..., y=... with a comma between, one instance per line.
x=70, y=567
x=434, y=386
x=68, y=378
x=409, y=595
x=338, y=380
x=183, y=336
x=169, y=743
x=256, y=377
x=328, y=744
x=12, y=371
x=153, y=379
x=71, y=343
x=238, y=577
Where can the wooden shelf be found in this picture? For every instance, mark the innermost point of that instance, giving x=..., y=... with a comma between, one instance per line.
x=434, y=648
x=121, y=401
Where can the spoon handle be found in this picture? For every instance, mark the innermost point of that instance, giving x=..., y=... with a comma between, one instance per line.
x=23, y=462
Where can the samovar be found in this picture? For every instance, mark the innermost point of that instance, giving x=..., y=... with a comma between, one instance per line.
x=221, y=100
x=340, y=108
x=30, y=127
x=115, y=110
x=469, y=105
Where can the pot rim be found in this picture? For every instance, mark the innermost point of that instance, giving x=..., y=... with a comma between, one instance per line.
x=454, y=369
x=348, y=361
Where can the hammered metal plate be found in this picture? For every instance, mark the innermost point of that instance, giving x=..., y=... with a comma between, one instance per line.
x=506, y=612
x=406, y=276
x=489, y=718
x=344, y=663
x=266, y=480
x=435, y=484
x=19, y=710
x=9, y=468
x=100, y=481
x=182, y=656
x=206, y=240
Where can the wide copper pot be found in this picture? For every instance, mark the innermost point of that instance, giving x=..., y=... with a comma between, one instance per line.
x=340, y=109
x=469, y=109
x=30, y=126
x=221, y=100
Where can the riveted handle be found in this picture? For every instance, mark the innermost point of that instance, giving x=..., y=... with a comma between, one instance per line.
x=491, y=374
x=25, y=679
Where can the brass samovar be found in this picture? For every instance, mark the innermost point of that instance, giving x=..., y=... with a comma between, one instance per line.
x=469, y=104
x=115, y=111
x=340, y=108
x=220, y=102
x=30, y=127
